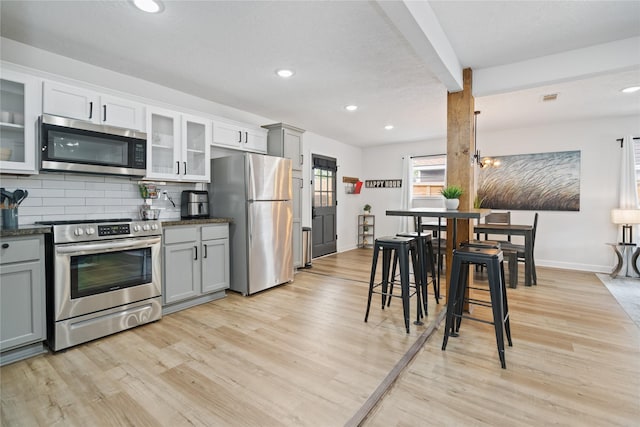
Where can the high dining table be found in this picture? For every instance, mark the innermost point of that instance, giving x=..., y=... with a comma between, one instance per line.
x=419, y=213
x=514, y=230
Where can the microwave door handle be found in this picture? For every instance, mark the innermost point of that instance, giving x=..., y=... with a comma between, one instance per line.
x=109, y=246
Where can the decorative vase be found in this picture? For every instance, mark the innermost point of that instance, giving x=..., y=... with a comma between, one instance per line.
x=451, y=204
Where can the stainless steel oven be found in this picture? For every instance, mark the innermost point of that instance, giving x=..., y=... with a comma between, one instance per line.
x=103, y=277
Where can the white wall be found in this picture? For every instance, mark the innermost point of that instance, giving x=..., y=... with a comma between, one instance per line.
x=573, y=240
x=385, y=162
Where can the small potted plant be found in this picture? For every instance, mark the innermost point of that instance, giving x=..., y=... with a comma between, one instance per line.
x=367, y=209
x=477, y=201
x=452, y=195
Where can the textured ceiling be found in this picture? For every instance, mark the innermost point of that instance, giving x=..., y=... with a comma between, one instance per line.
x=342, y=52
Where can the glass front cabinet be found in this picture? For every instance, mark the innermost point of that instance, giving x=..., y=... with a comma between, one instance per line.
x=19, y=111
x=178, y=146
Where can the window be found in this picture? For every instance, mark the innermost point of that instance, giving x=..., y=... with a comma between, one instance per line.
x=323, y=187
x=429, y=175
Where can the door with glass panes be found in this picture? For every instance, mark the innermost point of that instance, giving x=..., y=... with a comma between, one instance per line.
x=323, y=210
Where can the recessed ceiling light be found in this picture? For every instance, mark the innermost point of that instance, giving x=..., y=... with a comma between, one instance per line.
x=351, y=107
x=631, y=89
x=388, y=127
x=284, y=73
x=151, y=6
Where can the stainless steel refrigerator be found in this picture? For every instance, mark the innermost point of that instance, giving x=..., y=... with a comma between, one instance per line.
x=255, y=191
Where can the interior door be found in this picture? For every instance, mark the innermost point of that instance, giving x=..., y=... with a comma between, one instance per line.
x=323, y=210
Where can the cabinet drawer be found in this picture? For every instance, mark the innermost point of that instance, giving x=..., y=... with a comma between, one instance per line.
x=180, y=235
x=215, y=232
x=19, y=250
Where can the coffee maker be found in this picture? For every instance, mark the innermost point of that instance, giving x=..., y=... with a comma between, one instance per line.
x=194, y=204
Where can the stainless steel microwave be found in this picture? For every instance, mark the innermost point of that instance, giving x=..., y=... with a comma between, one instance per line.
x=68, y=145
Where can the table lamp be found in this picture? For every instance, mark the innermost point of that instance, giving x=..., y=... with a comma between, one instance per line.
x=626, y=217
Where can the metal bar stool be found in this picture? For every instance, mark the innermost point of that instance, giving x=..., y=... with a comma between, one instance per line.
x=406, y=248
x=427, y=263
x=493, y=260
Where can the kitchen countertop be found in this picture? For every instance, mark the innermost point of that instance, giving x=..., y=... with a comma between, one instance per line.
x=196, y=221
x=25, y=230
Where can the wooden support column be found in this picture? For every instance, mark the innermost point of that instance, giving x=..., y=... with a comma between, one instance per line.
x=460, y=172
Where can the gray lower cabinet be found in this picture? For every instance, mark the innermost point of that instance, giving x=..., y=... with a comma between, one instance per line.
x=22, y=298
x=195, y=264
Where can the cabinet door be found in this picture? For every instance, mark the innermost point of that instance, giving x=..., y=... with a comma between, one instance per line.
x=196, y=138
x=255, y=140
x=69, y=101
x=163, y=145
x=296, y=234
x=293, y=147
x=227, y=135
x=21, y=304
x=121, y=113
x=181, y=271
x=20, y=97
x=215, y=265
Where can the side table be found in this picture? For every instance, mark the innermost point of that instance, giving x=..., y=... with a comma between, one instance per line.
x=627, y=253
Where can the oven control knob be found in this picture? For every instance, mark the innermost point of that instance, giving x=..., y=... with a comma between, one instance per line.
x=136, y=228
x=78, y=232
x=90, y=231
x=145, y=227
x=154, y=226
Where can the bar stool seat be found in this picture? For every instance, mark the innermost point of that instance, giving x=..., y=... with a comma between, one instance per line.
x=493, y=259
x=406, y=249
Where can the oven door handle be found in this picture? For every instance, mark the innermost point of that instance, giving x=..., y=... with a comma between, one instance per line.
x=108, y=246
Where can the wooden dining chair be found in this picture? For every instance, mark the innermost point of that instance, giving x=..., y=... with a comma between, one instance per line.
x=520, y=250
x=497, y=218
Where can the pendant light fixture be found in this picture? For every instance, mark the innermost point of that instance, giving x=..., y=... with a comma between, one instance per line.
x=476, y=153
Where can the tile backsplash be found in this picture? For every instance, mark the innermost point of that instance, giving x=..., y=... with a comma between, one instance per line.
x=71, y=196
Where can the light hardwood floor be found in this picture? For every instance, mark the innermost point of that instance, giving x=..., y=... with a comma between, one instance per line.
x=301, y=355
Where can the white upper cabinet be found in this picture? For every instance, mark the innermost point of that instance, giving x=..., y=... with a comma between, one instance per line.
x=196, y=139
x=177, y=146
x=239, y=137
x=82, y=104
x=19, y=110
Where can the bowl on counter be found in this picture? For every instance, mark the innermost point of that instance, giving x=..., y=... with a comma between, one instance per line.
x=149, y=213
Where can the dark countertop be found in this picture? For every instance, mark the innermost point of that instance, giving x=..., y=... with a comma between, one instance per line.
x=25, y=230
x=196, y=221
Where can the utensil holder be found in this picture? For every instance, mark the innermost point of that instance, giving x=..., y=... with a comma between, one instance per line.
x=9, y=218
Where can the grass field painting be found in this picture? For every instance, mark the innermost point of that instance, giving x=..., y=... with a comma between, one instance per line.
x=542, y=181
